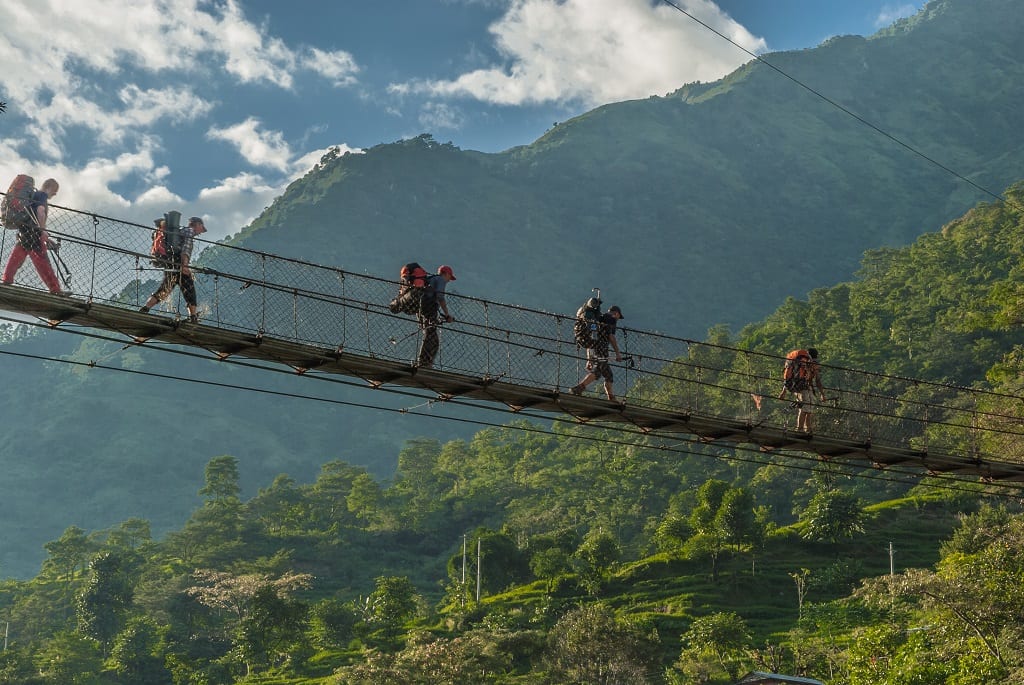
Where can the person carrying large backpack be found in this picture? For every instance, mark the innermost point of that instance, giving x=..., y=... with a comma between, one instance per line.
x=175, y=258
x=434, y=301
x=801, y=377
x=595, y=332
x=33, y=238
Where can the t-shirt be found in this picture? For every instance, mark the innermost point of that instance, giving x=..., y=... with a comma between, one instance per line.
x=29, y=234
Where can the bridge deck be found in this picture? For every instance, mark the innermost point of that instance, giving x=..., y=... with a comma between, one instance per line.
x=223, y=342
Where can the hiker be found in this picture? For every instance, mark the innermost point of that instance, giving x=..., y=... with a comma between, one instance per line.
x=433, y=300
x=177, y=271
x=34, y=240
x=597, y=356
x=801, y=377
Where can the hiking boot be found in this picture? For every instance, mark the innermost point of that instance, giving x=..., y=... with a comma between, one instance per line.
x=144, y=310
x=576, y=390
x=193, y=318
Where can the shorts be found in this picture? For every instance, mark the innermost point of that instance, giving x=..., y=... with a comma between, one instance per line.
x=806, y=400
x=599, y=366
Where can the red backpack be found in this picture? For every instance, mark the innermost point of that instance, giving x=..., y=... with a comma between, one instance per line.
x=16, y=207
x=414, y=297
x=412, y=275
x=799, y=371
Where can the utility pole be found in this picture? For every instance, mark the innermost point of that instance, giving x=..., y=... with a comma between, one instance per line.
x=462, y=594
x=892, y=566
x=479, y=564
x=7, y=629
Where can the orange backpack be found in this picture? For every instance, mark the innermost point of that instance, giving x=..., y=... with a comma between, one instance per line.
x=798, y=372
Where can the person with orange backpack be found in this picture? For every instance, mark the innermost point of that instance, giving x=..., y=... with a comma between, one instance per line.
x=801, y=377
x=33, y=239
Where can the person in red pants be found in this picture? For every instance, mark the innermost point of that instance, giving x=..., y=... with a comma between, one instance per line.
x=33, y=240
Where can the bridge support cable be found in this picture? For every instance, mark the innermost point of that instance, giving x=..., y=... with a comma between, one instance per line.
x=316, y=318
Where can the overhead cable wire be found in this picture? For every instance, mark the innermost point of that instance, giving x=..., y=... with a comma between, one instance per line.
x=905, y=477
x=824, y=467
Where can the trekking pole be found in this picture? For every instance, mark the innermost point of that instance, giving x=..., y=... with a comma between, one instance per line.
x=58, y=263
x=394, y=341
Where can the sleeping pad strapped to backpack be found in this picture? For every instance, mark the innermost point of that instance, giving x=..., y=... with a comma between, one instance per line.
x=415, y=296
x=588, y=322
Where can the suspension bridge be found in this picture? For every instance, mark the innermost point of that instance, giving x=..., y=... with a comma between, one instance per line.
x=318, y=319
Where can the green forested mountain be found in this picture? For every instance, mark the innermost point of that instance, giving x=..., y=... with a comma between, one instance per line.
x=601, y=561
x=706, y=206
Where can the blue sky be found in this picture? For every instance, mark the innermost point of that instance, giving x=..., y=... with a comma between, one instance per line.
x=213, y=107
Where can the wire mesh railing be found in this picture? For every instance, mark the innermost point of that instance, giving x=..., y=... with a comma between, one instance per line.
x=301, y=302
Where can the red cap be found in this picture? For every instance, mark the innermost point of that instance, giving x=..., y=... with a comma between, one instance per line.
x=446, y=270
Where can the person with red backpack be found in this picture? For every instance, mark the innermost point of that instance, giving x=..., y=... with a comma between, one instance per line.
x=801, y=377
x=33, y=240
x=433, y=299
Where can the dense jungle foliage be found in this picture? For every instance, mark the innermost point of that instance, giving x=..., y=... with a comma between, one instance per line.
x=709, y=205
x=551, y=554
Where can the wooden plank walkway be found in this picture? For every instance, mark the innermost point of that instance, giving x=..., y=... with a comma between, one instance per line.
x=222, y=343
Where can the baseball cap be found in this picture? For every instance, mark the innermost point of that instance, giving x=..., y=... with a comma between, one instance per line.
x=445, y=269
x=615, y=308
x=195, y=220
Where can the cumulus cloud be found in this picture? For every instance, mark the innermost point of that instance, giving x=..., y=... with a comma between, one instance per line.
x=339, y=67
x=598, y=51
x=105, y=76
x=258, y=147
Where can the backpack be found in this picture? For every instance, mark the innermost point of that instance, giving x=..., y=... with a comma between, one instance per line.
x=16, y=207
x=168, y=240
x=798, y=371
x=414, y=294
x=588, y=322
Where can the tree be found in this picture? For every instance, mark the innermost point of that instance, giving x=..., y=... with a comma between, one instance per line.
x=130, y=534
x=832, y=515
x=69, y=659
x=709, y=499
x=327, y=499
x=392, y=603
x=330, y=623
x=589, y=645
x=278, y=509
x=548, y=564
x=598, y=551
x=103, y=603
x=67, y=554
x=722, y=636
x=262, y=615
x=136, y=653
x=221, y=480
x=735, y=517
x=366, y=499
